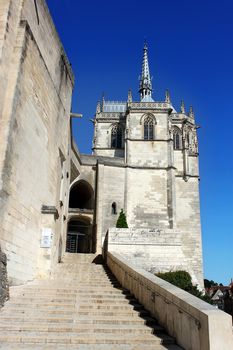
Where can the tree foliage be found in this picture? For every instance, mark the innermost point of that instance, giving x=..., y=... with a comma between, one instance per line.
x=121, y=221
x=183, y=280
x=210, y=283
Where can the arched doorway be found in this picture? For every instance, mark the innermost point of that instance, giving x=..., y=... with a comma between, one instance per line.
x=81, y=196
x=79, y=236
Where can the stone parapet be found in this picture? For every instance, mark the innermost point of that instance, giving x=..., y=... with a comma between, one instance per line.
x=155, y=250
x=195, y=324
x=145, y=236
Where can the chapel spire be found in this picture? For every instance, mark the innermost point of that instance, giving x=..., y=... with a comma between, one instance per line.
x=145, y=87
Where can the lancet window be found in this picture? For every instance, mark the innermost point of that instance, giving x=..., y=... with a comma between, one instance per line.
x=148, y=128
x=116, y=137
x=177, y=138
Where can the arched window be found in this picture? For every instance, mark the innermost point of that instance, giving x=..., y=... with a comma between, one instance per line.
x=116, y=137
x=177, y=138
x=148, y=128
x=114, y=208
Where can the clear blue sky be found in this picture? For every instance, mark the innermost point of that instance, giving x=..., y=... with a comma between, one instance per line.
x=191, y=54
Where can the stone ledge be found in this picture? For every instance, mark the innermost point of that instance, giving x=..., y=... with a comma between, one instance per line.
x=50, y=209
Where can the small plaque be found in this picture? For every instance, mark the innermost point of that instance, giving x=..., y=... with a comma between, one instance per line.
x=46, y=238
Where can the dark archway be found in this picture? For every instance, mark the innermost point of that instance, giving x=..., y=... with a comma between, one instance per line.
x=81, y=196
x=79, y=236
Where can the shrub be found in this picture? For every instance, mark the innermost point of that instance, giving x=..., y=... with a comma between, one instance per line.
x=183, y=280
x=121, y=221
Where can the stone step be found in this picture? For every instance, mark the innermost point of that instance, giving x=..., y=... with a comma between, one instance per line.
x=129, y=312
x=82, y=289
x=86, y=258
x=68, y=318
x=84, y=338
x=81, y=292
x=40, y=306
x=98, y=319
x=80, y=296
x=82, y=307
x=30, y=346
x=85, y=285
x=90, y=307
x=71, y=300
x=77, y=328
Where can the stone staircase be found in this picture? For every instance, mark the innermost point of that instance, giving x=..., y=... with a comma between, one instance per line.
x=81, y=307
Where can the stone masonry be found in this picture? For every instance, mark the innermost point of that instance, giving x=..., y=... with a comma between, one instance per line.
x=35, y=91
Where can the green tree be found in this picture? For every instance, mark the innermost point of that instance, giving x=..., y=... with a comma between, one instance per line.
x=121, y=221
x=209, y=283
x=183, y=280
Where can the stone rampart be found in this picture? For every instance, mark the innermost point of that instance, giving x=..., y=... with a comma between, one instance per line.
x=195, y=324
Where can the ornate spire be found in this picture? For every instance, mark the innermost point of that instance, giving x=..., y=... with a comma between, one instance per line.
x=182, y=107
x=145, y=79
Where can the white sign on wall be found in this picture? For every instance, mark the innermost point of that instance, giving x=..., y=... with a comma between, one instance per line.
x=46, y=238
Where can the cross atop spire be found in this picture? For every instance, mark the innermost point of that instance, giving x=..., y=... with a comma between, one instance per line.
x=145, y=87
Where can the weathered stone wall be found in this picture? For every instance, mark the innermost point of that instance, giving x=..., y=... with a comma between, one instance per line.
x=4, y=288
x=154, y=250
x=35, y=141
x=147, y=198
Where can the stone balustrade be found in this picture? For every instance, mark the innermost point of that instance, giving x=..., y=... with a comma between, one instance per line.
x=195, y=324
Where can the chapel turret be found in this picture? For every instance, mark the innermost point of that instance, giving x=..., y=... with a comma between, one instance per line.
x=148, y=156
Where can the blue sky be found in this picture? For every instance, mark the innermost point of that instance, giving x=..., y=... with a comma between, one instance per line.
x=191, y=54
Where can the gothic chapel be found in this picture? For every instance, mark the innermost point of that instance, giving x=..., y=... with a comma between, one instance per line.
x=145, y=160
x=54, y=199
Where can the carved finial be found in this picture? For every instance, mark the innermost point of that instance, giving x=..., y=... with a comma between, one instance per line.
x=98, y=107
x=130, y=99
x=167, y=96
x=182, y=107
x=102, y=103
x=191, y=113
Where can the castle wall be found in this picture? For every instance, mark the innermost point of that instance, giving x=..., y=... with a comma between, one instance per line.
x=34, y=143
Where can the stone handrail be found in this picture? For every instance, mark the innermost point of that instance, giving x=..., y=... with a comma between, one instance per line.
x=195, y=324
